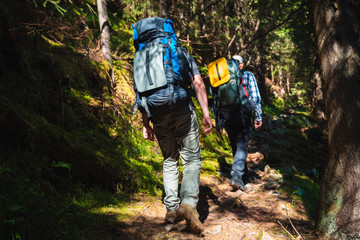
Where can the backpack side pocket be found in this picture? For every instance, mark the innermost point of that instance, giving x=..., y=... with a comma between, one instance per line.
x=149, y=73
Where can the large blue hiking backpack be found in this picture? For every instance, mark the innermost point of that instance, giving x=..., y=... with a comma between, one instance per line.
x=232, y=102
x=161, y=67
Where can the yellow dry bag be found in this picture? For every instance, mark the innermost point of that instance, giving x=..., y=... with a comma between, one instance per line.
x=218, y=72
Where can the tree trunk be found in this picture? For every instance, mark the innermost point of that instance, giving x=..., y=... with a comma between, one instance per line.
x=318, y=98
x=339, y=203
x=202, y=18
x=287, y=85
x=105, y=36
x=281, y=84
x=261, y=75
x=162, y=8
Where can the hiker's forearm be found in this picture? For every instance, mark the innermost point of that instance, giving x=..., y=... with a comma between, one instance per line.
x=145, y=119
x=201, y=94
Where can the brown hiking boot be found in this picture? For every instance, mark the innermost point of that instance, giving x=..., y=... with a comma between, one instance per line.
x=171, y=217
x=191, y=217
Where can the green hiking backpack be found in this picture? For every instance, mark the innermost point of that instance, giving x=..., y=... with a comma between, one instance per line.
x=232, y=102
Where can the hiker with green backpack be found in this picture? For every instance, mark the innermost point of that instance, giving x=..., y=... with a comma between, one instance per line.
x=237, y=108
x=165, y=76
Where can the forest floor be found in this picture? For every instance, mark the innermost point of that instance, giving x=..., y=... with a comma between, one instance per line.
x=264, y=212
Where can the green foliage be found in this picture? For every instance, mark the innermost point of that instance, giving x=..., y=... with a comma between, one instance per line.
x=61, y=10
x=137, y=10
x=298, y=151
x=271, y=111
x=62, y=138
x=299, y=94
x=293, y=138
x=289, y=49
x=69, y=149
x=61, y=165
x=279, y=103
x=302, y=188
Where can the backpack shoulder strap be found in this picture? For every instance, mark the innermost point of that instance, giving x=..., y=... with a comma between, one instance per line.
x=242, y=85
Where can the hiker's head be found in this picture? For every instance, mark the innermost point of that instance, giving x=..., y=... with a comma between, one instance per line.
x=240, y=61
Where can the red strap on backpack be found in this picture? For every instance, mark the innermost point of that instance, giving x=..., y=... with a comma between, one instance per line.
x=242, y=84
x=247, y=95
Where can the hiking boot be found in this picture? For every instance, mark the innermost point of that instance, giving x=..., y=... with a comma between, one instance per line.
x=238, y=185
x=171, y=217
x=191, y=217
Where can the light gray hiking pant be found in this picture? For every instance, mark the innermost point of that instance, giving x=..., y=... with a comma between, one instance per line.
x=178, y=134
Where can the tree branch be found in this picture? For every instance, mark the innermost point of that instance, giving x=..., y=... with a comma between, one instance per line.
x=263, y=34
x=236, y=29
x=202, y=10
x=291, y=236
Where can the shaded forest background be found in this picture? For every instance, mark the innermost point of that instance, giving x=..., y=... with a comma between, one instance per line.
x=70, y=146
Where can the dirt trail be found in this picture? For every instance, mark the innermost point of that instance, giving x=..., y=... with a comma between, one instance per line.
x=261, y=213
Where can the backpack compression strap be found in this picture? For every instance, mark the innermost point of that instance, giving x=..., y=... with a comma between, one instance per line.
x=172, y=59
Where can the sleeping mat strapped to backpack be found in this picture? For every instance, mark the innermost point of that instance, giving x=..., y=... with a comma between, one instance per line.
x=218, y=72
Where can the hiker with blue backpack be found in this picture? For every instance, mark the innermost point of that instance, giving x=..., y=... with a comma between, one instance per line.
x=237, y=108
x=165, y=79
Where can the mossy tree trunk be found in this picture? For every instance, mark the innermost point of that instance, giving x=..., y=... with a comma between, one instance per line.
x=339, y=203
x=105, y=35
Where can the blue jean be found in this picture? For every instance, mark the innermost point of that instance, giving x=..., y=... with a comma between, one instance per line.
x=178, y=135
x=239, y=137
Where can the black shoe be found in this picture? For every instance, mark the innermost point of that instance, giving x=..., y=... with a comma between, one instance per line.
x=238, y=185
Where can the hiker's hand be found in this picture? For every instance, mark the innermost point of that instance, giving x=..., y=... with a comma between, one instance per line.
x=218, y=131
x=207, y=124
x=257, y=124
x=148, y=133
